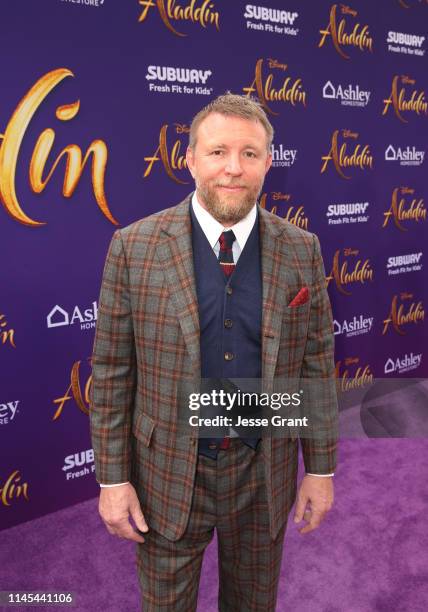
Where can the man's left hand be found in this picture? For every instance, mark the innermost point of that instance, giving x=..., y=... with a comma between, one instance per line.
x=318, y=492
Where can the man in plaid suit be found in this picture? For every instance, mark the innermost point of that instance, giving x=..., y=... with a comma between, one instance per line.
x=182, y=298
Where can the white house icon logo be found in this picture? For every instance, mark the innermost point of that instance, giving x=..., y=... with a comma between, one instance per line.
x=389, y=366
x=329, y=91
x=390, y=154
x=337, y=328
x=57, y=313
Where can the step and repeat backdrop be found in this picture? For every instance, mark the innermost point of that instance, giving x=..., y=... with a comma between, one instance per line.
x=96, y=100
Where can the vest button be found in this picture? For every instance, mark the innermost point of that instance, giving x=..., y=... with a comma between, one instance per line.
x=229, y=290
x=228, y=323
x=228, y=356
x=212, y=446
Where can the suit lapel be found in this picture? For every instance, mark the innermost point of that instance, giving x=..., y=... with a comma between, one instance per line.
x=275, y=263
x=174, y=251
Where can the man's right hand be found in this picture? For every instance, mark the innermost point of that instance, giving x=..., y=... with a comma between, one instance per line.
x=115, y=506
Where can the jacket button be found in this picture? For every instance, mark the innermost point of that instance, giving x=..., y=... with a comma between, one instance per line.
x=229, y=290
x=228, y=323
x=212, y=446
x=228, y=356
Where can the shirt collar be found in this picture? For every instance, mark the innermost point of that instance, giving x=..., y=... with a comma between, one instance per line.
x=212, y=228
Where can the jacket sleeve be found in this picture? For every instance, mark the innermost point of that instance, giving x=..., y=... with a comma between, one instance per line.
x=113, y=371
x=319, y=443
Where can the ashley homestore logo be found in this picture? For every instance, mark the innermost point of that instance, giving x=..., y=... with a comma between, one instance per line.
x=59, y=317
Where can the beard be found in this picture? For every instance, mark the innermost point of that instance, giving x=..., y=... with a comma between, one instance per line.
x=231, y=208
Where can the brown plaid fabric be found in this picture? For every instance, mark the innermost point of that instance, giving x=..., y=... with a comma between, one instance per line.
x=146, y=360
x=229, y=495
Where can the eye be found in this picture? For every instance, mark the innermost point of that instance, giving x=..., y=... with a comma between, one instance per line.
x=217, y=152
x=250, y=154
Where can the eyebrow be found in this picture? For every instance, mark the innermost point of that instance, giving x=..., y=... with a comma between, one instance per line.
x=224, y=146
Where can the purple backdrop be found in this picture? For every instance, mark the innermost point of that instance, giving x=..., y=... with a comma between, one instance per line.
x=95, y=105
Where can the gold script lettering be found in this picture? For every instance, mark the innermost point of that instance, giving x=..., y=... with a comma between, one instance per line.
x=204, y=15
x=12, y=489
x=398, y=318
x=416, y=212
x=10, y=148
x=6, y=334
x=360, y=274
x=82, y=402
x=359, y=158
x=359, y=38
x=170, y=163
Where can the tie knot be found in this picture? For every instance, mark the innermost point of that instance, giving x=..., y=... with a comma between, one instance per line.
x=226, y=240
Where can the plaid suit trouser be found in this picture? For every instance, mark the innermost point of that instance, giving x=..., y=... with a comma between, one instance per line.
x=229, y=495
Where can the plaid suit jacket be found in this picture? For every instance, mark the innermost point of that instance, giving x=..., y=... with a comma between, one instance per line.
x=146, y=358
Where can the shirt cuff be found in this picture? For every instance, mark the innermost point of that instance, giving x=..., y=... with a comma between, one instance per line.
x=119, y=484
x=321, y=475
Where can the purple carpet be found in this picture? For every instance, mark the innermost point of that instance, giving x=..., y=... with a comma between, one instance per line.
x=370, y=554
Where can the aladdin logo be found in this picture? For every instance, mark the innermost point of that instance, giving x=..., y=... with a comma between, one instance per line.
x=398, y=211
x=360, y=157
x=282, y=157
x=294, y=214
x=403, y=364
x=354, y=212
x=343, y=275
x=273, y=17
x=406, y=157
x=348, y=96
x=359, y=37
x=13, y=489
x=398, y=316
x=410, y=43
x=178, y=75
x=397, y=99
x=82, y=399
x=58, y=317
x=8, y=412
x=401, y=264
x=38, y=176
x=172, y=159
x=355, y=327
x=204, y=14
x=360, y=377
x=290, y=92
x=6, y=335
x=84, y=458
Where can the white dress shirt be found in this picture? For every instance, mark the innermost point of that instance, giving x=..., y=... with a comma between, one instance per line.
x=213, y=230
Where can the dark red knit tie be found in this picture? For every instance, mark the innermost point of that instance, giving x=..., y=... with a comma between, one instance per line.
x=225, y=258
x=225, y=255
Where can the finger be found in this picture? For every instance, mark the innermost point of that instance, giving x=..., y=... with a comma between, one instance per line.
x=314, y=521
x=138, y=517
x=110, y=529
x=128, y=533
x=300, y=509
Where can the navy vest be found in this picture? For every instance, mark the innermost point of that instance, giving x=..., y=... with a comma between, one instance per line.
x=230, y=314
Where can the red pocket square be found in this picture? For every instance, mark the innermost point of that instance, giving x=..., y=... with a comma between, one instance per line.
x=301, y=298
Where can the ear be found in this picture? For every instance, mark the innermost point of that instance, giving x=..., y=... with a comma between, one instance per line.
x=268, y=163
x=190, y=161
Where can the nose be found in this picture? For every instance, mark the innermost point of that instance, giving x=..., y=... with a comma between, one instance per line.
x=233, y=165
